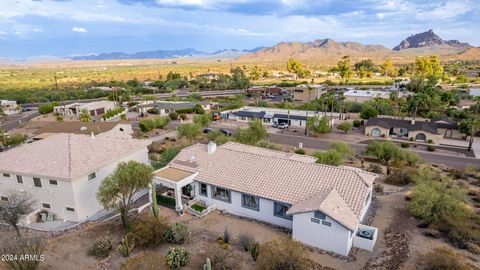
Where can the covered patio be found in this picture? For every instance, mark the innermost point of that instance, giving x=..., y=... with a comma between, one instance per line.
x=178, y=182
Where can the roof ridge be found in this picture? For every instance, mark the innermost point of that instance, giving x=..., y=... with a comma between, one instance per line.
x=264, y=149
x=69, y=154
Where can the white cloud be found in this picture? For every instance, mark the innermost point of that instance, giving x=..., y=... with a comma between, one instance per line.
x=38, y=30
x=79, y=30
x=445, y=11
x=2, y=33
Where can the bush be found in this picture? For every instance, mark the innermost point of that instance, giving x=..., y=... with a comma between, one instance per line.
x=148, y=232
x=246, y=240
x=330, y=157
x=112, y=113
x=430, y=141
x=173, y=115
x=101, y=248
x=404, y=145
x=226, y=235
x=283, y=254
x=45, y=108
x=184, y=111
x=19, y=247
x=220, y=258
x=430, y=148
x=368, y=112
x=442, y=258
x=356, y=123
x=375, y=168
x=255, y=250
x=147, y=125
x=199, y=109
x=378, y=188
x=147, y=260
x=177, y=233
x=183, y=116
x=153, y=111
x=400, y=177
x=300, y=151
x=176, y=257
x=411, y=139
x=59, y=118
x=124, y=247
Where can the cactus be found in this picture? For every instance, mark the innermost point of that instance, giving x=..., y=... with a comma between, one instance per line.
x=254, y=250
x=154, y=200
x=124, y=247
x=207, y=265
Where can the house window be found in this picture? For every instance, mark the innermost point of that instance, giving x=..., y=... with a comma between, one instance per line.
x=46, y=205
x=280, y=210
x=376, y=132
x=402, y=131
x=320, y=215
x=4, y=199
x=91, y=176
x=6, y=175
x=326, y=223
x=315, y=220
x=203, y=189
x=37, y=182
x=70, y=209
x=19, y=179
x=250, y=202
x=221, y=194
x=53, y=182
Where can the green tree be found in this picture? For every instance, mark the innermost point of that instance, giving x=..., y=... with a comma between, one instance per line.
x=199, y=109
x=345, y=127
x=345, y=150
x=295, y=67
x=428, y=66
x=319, y=124
x=189, y=131
x=329, y=157
x=117, y=190
x=239, y=79
x=202, y=120
x=45, y=108
x=388, y=68
x=385, y=151
x=364, y=68
x=344, y=68
x=253, y=134
x=85, y=116
x=368, y=111
x=470, y=127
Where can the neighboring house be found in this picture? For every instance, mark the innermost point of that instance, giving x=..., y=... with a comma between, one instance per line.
x=422, y=131
x=88, y=128
x=63, y=172
x=304, y=94
x=362, y=96
x=400, y=85
x=294, y=118
x=209, y=76
x=264, y=90
x=9, y=107
x=164, y=108
x=449, y=129
x=94, y=108
x=107, y=88
x=322, y=205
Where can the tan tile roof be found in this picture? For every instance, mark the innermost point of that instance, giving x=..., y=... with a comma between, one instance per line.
x=67, y=156
x=261, y=173
x=172, y=174
x=76, y=127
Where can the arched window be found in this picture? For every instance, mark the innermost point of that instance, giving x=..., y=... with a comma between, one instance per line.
x=421, y=137
x=376, y=132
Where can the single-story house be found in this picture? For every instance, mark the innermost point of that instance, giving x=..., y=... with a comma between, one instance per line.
x=422, y=131
x=306, y=94
x=9, y=107
x=166, y=107
x=294, y=118
x=264, y=90
x=94, y=108
x=209, y=76
x=63, y=172
x=322, y=205
x=448, y=129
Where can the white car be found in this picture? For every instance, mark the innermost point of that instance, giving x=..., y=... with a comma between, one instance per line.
x=283, y=126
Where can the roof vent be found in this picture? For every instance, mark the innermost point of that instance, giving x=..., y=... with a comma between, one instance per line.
x=413, y=122
x=211, y=147
x=83, y=128
x=192, y=158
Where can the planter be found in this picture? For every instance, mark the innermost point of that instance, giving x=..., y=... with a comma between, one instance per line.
x=199, y=208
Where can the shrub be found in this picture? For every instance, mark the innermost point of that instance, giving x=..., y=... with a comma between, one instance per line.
x=153, y=111
x=173, y=115
x=177, y=233
x=378, y=188
x=330, y=157
x=411, y=139
x=202, y=120
x=255, y=250
x=45, y=108
x=112, y=113
x=268, y=145
x=300, y=151
x=148, y=260
x=246, y=240
x=176, y=257
x=19, y=247
x=357, y=123
x=400, y=177
x=184, y=111
x=101, y=248
x=283, y=254
x=147, y=125
x=442, y=258
x=220, y=258
x=375, y=168
x=124, y=247
x=430, y=141
x=59, y=118
x=199, y=109
x=368, y=112
x=226, y=235
x=404, y=145
x=148, y=232
x=430, y=148
x=183, y=116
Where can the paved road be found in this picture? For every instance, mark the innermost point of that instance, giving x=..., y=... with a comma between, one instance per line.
x=9, y=125
x=215, y=93
x=435, y=158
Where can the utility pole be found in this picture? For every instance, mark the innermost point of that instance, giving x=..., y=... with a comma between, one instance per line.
x=308, y=108
x=55, y=78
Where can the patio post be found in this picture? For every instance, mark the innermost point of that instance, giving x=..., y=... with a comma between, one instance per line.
x=178, y=200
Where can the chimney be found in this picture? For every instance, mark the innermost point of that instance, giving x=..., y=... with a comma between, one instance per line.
x=211, y=147
x=92, y=135
x=413, y=122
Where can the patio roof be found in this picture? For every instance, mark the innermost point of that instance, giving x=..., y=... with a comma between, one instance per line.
x=172, y=174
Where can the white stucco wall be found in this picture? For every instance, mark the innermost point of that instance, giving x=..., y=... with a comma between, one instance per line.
x=336, y=238
x=265, y=212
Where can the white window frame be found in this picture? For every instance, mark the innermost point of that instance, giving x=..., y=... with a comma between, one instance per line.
x=53, y=185
x=41, y=184
x=21, y=178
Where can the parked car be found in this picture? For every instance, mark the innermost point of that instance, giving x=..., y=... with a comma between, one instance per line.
x=208, y=130
x=275, y=125
x=226, y=132
x=283, y=126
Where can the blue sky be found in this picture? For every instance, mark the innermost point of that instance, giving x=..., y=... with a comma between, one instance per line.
x=73, y=27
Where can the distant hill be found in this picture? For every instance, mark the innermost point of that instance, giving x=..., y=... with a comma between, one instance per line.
x=166, y=54
x=429, y=40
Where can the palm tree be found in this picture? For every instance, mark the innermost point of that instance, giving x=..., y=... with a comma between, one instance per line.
x=85, y=116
